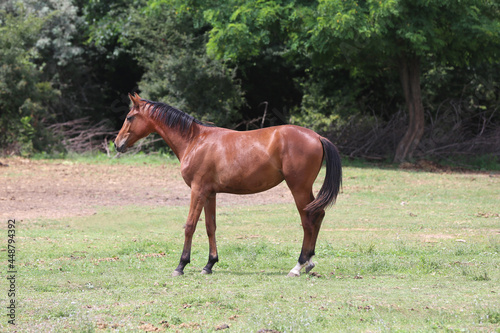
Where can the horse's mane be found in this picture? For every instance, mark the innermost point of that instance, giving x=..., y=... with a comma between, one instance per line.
x=171, y=116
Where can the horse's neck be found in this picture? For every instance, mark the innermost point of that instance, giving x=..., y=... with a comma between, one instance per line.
x=176, y=140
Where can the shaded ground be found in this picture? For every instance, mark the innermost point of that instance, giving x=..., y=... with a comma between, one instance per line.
x=40, y=189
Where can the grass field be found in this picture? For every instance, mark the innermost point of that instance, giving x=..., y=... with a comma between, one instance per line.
x=401, y=251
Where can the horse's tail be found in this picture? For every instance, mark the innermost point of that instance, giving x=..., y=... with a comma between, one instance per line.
x=333, y=178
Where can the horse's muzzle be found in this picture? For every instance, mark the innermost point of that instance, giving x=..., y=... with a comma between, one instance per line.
x=120, y=148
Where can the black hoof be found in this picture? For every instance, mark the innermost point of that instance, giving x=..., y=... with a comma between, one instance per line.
x=206, y=271
x=310, y=267
x=177, y=273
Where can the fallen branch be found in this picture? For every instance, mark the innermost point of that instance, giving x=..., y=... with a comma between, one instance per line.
x=80, y=135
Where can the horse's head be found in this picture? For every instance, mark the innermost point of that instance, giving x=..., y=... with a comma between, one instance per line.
x=137, y=125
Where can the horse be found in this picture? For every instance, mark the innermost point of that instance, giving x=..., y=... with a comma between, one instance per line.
x=219, y=160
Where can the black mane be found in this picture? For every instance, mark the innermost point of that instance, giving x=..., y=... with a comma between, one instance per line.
x=171, y=116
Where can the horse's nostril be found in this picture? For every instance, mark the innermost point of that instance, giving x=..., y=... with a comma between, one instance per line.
x=117, y=147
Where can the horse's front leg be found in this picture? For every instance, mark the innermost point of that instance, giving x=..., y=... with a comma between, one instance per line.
x=198, y=200
x=211, y=226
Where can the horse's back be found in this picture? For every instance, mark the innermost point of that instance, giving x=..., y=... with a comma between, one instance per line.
x=283, y=143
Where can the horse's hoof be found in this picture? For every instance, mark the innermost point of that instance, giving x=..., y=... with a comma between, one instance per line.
x=206, y=271
x=177, y=273
x=310, y=267
x=293, y=274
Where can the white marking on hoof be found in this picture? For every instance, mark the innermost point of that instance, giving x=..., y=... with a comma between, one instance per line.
x=296, y=270
x=177, y=273
x=204, y=271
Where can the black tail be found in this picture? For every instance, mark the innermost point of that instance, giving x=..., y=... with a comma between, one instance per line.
x=333, y=179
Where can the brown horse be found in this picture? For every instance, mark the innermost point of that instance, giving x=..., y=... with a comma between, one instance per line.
x=218, y=160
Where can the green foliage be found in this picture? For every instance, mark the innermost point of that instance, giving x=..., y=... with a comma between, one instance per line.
x=106, y=20
x=241, y=30
x=324, y=65
x=44, y=73
x=171, y=48
x=371, y=38
x=23, y=94
x=448, y=31
x=263, y=41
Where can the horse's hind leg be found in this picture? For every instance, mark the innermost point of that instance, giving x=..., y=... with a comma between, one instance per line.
x=317, y=219
x=311, y=223
x=211, y=226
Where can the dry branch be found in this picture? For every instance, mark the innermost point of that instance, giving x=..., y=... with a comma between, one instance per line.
x=453, y=129
x=80, y=135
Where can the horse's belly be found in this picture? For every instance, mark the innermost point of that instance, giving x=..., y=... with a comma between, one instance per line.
x=252, y=181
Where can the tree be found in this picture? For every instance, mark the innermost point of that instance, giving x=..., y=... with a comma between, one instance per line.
x=23, y=93
x=168, y=40
x=50, y=73
x=368, y=38
x=405, y=35
x=110, y=63
x=61, y=56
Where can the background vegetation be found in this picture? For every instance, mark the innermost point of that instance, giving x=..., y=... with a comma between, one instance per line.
x=393, y=80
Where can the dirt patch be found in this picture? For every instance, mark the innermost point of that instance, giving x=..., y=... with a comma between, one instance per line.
x=434, y=238
x=40, y=189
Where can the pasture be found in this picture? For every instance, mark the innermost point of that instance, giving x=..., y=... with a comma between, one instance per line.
x=97, y=242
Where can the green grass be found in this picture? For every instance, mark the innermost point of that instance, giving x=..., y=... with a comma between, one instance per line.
x=400, y=252
x=479, y=162
x=165, y=156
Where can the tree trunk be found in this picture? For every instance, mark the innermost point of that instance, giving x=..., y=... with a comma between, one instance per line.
x=409, y=71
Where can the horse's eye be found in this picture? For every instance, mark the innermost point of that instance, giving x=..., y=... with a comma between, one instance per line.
x=130, y=118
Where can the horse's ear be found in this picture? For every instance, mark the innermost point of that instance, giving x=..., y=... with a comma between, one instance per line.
x=134, y=98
